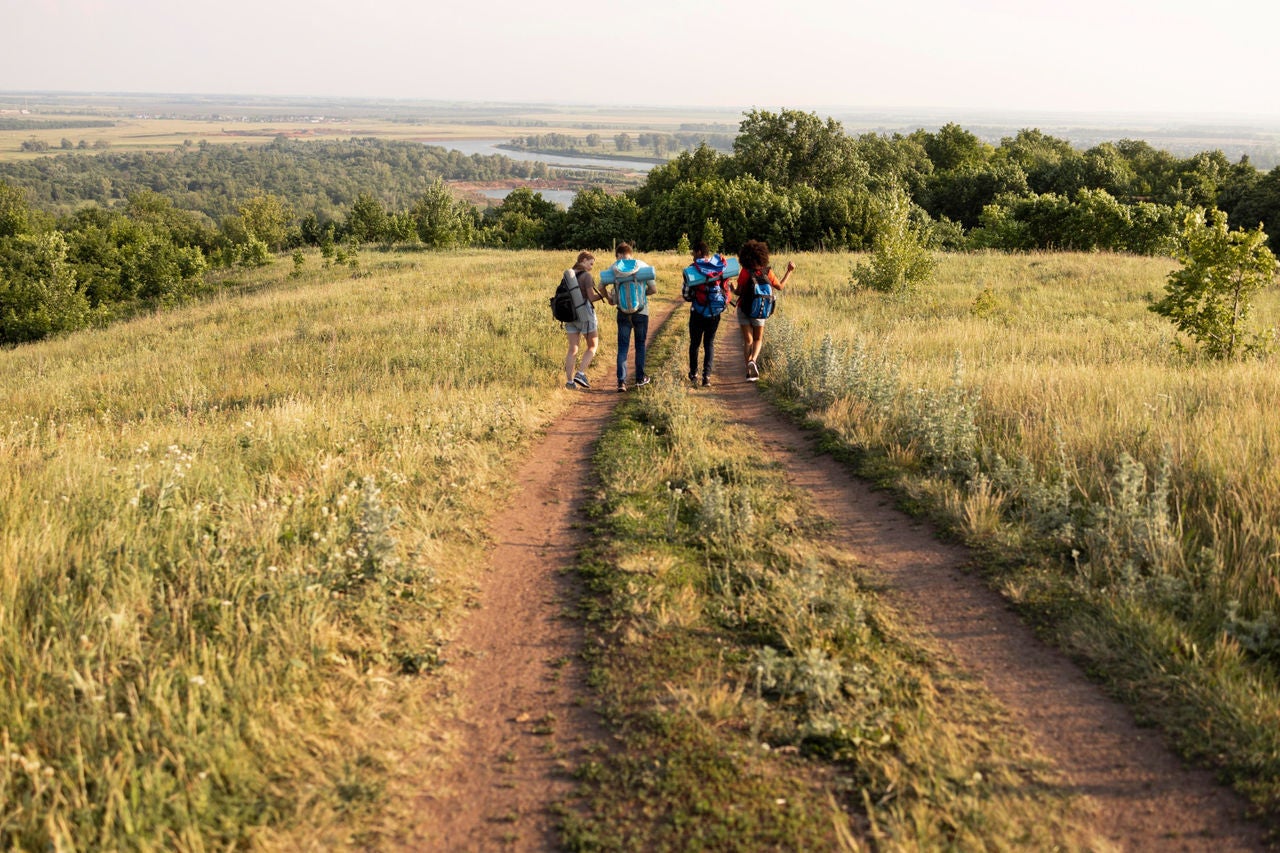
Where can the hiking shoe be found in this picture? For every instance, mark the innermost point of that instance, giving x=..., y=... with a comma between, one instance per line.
x=753, y=372
x=622, y=387
x=693, y=377
x=706, y=382
x=644, y=380
x=580, y=378
x=571, y=386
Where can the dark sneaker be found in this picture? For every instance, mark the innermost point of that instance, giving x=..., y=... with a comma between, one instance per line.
x=571, y=386
x=706, y=382
x=580, y=378
x=753, y=372
x=622, y=387
x=644, y=380
x=693, y=377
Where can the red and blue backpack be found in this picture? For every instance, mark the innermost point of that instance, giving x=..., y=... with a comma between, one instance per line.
x=709, y=296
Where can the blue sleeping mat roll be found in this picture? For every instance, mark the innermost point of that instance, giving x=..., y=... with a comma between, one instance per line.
x=626, y=269
x=695, y=274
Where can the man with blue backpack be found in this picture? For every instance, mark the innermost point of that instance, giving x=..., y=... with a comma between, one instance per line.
x=706, y=291
x=631, y=283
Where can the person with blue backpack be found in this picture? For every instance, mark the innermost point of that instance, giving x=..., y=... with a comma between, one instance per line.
x=706, y=291
x=756, y=288
x=630, y=283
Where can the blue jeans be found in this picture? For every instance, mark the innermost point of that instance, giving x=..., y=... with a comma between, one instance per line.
x=627, y=322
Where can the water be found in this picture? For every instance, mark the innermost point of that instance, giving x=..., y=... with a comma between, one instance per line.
x=490, y=146
x=564, y=198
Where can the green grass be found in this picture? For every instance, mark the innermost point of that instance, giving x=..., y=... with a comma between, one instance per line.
x=762, y=696
x=232, y=535
x=1128, y=493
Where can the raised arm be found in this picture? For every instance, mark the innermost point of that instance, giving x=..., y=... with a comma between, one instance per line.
x=791, y=265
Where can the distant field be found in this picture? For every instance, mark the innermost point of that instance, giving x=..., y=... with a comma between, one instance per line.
x=157, y=125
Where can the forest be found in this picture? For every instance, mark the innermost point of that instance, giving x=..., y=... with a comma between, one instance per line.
x=86, y=238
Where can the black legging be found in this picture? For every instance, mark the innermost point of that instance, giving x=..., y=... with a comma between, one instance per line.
x=702, y=332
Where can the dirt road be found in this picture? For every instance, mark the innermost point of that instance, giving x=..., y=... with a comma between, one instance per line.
x=526, y=703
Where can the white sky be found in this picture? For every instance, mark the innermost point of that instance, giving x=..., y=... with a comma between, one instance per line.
x=1188, y=57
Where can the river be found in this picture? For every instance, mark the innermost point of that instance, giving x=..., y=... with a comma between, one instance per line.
x=564, y=198
x=568, y=161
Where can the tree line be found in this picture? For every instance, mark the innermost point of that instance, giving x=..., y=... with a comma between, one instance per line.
x=85, y=239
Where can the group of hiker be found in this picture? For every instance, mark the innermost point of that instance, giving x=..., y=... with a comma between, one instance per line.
x=712, y=284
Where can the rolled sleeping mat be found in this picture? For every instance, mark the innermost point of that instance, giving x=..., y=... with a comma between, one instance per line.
x=693, y=275
x=625, y=270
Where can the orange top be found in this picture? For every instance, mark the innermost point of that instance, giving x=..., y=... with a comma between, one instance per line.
x=744, y=277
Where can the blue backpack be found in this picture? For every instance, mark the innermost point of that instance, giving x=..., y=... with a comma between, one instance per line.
x=630, y=280
x=708, y=295
x=759, y=300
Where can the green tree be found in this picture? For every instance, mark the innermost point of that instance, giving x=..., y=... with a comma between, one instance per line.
x=953, y=147
x=39, y=294
x=15, y=215
x=367, y=221
x=792, y=147
x=712, y=235
x=899, y=258
x=267, y=218
x=597, y=220
x=443, y=222
x=1210, y=297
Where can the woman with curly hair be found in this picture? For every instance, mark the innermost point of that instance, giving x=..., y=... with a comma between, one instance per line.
x=754, y=258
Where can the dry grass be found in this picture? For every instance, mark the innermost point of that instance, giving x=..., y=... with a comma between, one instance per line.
x=232, y=533
x=1169, y=465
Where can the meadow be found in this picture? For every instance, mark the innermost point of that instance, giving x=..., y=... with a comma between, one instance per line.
x=235, y=539
x=1125, y=494
x=233, y=534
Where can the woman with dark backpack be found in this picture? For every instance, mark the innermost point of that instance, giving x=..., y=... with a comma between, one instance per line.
x=755, y=289
x=585, y=324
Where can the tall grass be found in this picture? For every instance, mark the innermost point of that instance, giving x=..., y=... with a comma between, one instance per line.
x=762, y=696
x=229, y=535
x=1036, y=402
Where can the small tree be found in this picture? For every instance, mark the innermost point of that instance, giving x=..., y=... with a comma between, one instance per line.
x=1210, y=297
x=712, y=235
x=899, y=258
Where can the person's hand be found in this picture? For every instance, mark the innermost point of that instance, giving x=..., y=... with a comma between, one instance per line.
x=791, y=265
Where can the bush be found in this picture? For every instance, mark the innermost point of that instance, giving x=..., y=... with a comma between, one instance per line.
x=39, y=294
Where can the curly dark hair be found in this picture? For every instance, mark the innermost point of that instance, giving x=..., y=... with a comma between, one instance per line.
x=754, y=255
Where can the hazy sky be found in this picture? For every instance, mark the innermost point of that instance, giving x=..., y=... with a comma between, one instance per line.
x=1127, y=56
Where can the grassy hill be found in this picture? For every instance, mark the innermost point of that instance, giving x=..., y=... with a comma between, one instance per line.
x=234, y=535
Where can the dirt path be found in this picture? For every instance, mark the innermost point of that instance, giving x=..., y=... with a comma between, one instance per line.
x=1140, y=794
x=526, y=725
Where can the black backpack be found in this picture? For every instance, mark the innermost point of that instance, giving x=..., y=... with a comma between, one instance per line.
x=562, y=303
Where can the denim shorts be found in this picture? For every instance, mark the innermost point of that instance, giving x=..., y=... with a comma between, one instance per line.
x=586, y=324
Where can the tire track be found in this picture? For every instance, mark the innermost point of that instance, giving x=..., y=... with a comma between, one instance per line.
x=1138, y=793
x=523, y=724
